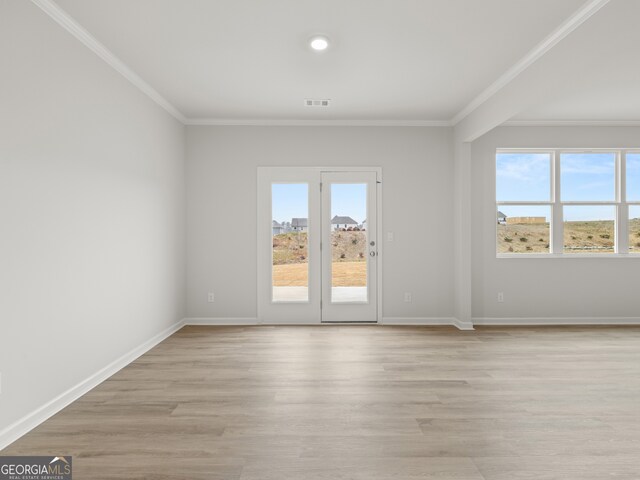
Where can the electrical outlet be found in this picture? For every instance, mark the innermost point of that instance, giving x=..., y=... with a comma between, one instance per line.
x=389, y=236
x=211, y=297
x=500, y=297
x=407, y=297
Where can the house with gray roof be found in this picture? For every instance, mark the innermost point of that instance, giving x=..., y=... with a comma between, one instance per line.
x=343, y=223
x=278, y=227
x=299, y=224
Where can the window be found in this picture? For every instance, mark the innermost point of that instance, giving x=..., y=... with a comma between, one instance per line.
x=588, y=177
x=525, y=229
x=589, y=204
x=523, y=177
x=523, y=193
x=567, y=202
x=589, y=228
x=633, y=177
x=634, y=228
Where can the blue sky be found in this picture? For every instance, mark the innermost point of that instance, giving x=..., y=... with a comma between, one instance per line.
x=587, y=176
x=349, y=200
x=290, y=200
x=584, y=177
x=522, y=177
x=633, y=177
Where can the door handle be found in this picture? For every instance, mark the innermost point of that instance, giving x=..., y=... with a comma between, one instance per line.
x=372, y=253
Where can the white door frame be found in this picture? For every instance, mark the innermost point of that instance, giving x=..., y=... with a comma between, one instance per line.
x=267, y=175
x=350, y=311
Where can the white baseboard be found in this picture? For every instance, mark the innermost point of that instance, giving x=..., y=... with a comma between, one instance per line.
x=385, y=321
x=515, y=321
x=243, y=321
x=462, y=325
x=221, y=321
x=27, y=423
x=420, y=321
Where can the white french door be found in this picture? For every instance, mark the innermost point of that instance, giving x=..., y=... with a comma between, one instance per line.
x=318, y=255
x=349, y=252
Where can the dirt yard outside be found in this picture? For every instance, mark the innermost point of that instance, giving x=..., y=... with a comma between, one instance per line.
x=345, y=247
x=349, y=259
x=579, y=237
x=345, y=274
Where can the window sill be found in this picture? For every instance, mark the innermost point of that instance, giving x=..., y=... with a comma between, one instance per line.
x=616, y=256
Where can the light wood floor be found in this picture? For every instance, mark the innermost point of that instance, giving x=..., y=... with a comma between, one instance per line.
x=361, y=403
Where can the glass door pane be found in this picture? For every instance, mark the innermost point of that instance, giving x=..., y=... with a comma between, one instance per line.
x=349, y=242
x=349, y=247
x=290, y=245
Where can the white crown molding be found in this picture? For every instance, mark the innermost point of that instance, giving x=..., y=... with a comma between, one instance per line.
x=571, y=123
x=573, y=22
x=75, y=29
x=27, y=423
x=315, y=122
x=569, y=25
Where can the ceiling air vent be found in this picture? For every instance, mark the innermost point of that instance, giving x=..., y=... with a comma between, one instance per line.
x=317, y=103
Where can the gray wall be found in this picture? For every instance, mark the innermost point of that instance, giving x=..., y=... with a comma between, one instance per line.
x=553, y=288
x=92, y=243
x=417, y=207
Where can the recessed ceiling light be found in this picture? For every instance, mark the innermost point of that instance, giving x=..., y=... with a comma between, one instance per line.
x=319, y=43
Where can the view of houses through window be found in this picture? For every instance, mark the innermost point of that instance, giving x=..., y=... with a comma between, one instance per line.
x=523, y=229
x=290, y=227
x=523, y=181
x=290, y=258
x=348, y=242
x=567, y=202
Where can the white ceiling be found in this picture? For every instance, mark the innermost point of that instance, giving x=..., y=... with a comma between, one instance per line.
x=598, y=70
x=390, y=59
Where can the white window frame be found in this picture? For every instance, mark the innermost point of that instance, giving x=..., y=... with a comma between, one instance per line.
x=556, y=222
x=521, y=203
x=624, y=212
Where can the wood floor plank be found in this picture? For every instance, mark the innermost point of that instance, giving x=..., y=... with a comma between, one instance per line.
x=361, y=402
